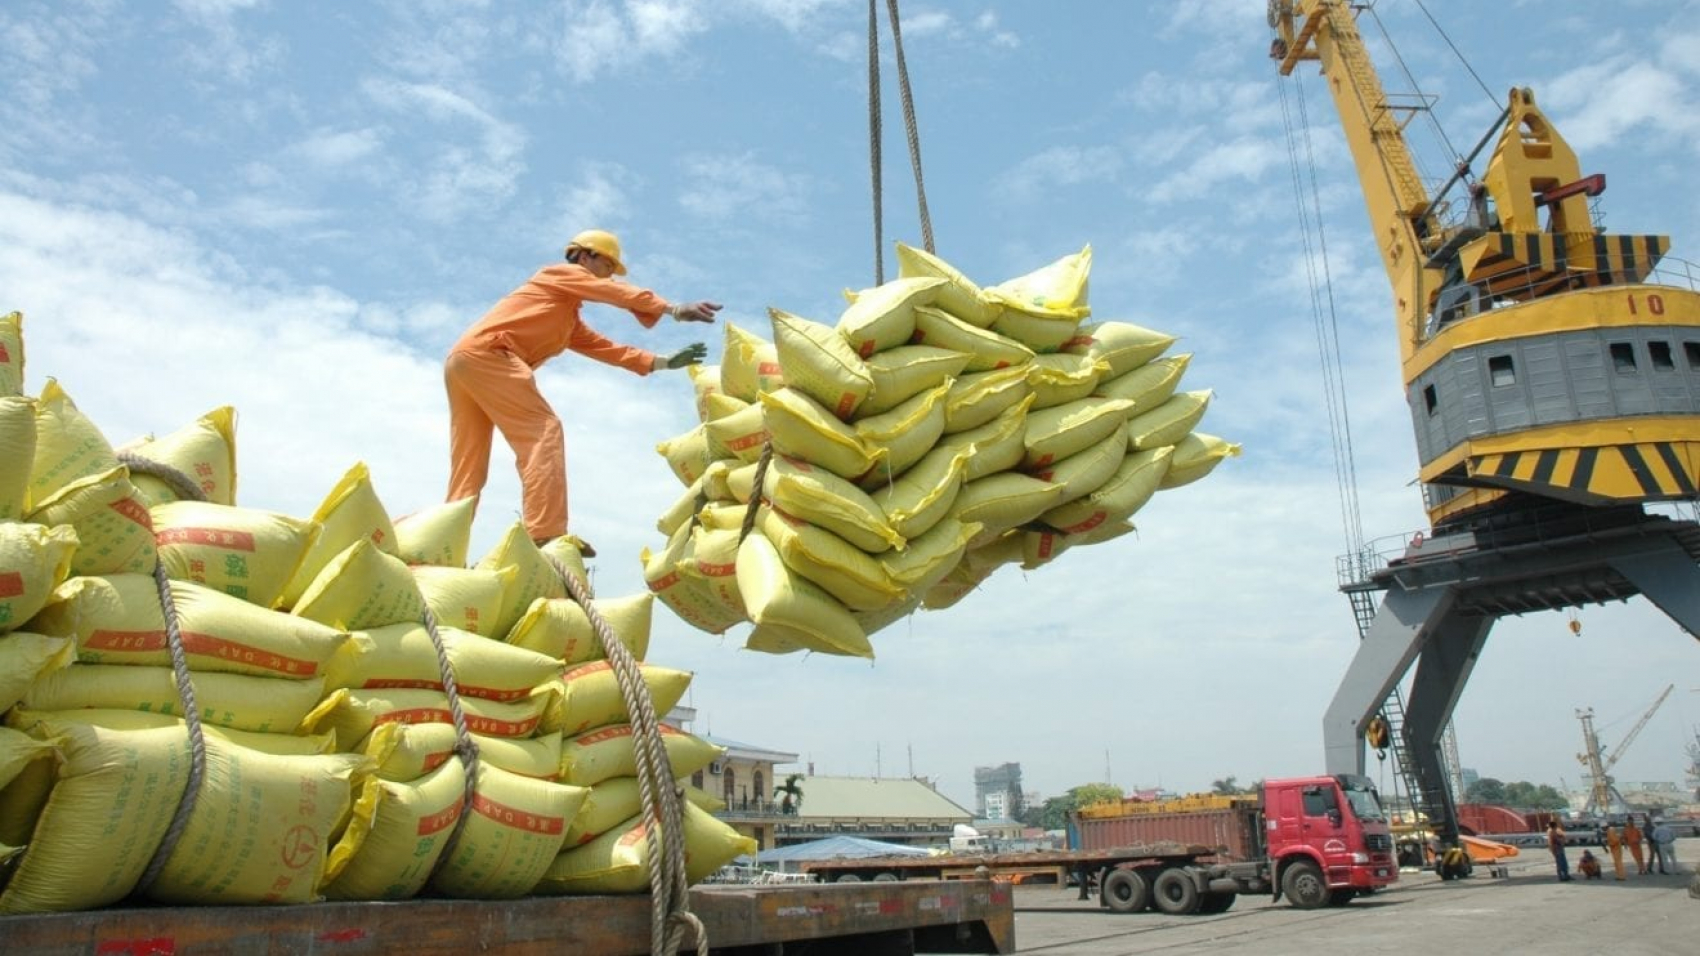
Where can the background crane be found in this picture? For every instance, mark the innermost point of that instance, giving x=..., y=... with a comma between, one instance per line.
x=1603, y=798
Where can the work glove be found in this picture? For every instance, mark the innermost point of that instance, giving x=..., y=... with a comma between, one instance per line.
x=696, y=311
x=689, y=355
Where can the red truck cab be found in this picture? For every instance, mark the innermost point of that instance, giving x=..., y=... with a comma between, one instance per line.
x=1326, y=839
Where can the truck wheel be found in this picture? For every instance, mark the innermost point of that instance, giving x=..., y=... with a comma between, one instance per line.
x=1341, y=897
x=886, y=877
x=848, y=878
x=1213, y=903
x=1174, y=892
x=1125, y=891
x=1304, y=885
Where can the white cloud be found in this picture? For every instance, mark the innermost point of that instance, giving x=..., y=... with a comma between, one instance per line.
x=729, y=187
x=461, y=173
x=331, y=149
x=600, y=36
x=1244, y=160
x=1061, y=166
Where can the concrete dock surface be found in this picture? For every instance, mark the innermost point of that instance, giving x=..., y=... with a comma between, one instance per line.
x=1527, y=911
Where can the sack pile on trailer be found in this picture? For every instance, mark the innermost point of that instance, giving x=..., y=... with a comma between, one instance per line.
x=344, y=752
x=842, y=477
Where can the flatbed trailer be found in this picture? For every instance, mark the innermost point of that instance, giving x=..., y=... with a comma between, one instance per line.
x=883, y=919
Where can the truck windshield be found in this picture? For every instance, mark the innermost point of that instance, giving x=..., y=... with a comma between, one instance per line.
x=1365, y=806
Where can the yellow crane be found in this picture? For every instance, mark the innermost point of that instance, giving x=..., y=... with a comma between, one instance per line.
x=1603, y=798
x=1553, y=383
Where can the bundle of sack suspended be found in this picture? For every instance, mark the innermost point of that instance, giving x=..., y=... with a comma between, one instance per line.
x=320, y=654
x=843, y=476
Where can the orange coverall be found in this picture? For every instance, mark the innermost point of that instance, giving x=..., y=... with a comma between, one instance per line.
x=488, y=375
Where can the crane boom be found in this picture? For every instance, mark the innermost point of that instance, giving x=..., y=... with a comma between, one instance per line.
x=1629, y=738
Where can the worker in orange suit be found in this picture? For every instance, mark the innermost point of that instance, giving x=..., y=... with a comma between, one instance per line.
x=489, y=373
x=1614, y=846
x=1632, y=837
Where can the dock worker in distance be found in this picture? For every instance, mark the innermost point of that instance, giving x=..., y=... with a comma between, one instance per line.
x=489, y=373
x=1555, y=844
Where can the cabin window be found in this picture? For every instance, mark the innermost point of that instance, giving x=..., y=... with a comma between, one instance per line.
x=696, y=780
x=1659, y=352
x=1623, y=358
x=1501, y=371
x=728, y=786
x=1429, y=399
x=1692, y=350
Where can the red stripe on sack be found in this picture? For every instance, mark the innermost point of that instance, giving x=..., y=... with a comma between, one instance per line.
x=1090, y=523
x=748, y=441
x=517, y=819
x=1079, y=341
x=664, y=582
x=210, y=537
x=397, y=683
x=134, y=511
x=717, y=570
x=846, y=405
x=11, y=584
x=585, y=670
x=416, y=715
x=610, y=733
x=1047, y=544
x=438, y=822
x=207, y=645
x=866, y=350
x=768, y=368
x=501, y=728
x=108, y=640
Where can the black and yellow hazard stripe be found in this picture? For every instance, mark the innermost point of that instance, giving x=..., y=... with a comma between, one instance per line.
x=1640, y=471
x=1530, y=264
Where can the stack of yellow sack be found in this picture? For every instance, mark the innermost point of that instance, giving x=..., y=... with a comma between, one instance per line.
x=333, y=763
x=937, y=432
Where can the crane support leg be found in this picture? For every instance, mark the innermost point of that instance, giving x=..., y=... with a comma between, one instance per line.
x=1448, y=657
x=1395, y=639
x=1669, y=578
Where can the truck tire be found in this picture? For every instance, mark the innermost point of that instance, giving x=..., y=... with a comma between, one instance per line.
x=1174, y=892
x=847, y=878
x=1213, y=903
x=886, y=877
x=1125, y=891
x=1304, y=886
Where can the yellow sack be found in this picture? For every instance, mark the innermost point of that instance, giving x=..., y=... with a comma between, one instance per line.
x=236, y=701
x=713, y=560
x=906, y=433
x=901, y=373
x=396, y=834
x=955, y=585
x=687, y=454
x=817, y=362
x=440, y=534
x=1121, y=346
x=402, y=655
x=1062, y=378
x=114, y=799
x=1042, y=333
x=1086, y=471
x=350, y=513
x=1148, y=386
x=618, y=861
x=362, y=587
x=679, y=514
x=872, y=622
x=19, y=750
x=1058, y=289
x=278, y=745
x=1136, y=479
x=986, y=350
x=705, y=381
x=996, y=446
x=1002, y=501
x=33, y=561
x=1169, y=422
x=118, y=620
x=25, y=656
x=597, y=755
x=244, y=552
x=261, y=829
x=916, y=501
x=591, y=696
x=516, y=828
x=409, y=751
x=749, y=367
x=774, y=594
x=741, y=434
x=17, y=452
x=114, y=529
x=822, y=498
x=11, y=354
x=533, y=576
x=959, y=295
x=687, y=595
x=843, y=570
x=883, y=317
x=1060, y=431
x=68, y=446
x=204, y=451
x=609, y=804
x=932, y=555
x=801, y=428
x=559, y=629
x=472, y=599
x=352, y=714
x=1195, y=456
x=977, y=398
x=1043, y=546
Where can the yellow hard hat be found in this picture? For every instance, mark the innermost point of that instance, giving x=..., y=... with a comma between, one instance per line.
x=602, y=243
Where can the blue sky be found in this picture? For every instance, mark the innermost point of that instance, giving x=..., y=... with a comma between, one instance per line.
x=293, y=208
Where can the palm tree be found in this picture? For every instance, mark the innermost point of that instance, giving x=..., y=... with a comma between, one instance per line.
x=792, y=790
